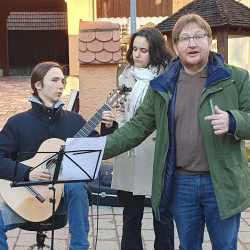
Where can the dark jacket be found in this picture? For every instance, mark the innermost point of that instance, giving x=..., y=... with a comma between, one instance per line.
x=26, y=131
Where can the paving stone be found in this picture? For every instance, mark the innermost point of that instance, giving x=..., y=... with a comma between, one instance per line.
x=206, y=246
x=149, y=244
x=119, y=230
x=147, y=223
x=107, y=245
x=105, y=223
x=148, y=234
x=106, y=234
x=118, y=220
x=244, y=237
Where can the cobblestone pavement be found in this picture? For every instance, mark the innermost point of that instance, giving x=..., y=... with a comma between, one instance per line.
x=13, y=95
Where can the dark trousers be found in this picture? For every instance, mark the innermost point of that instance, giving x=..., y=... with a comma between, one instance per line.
x=132, y=222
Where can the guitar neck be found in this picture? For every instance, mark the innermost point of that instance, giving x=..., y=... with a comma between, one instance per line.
x=92, y=123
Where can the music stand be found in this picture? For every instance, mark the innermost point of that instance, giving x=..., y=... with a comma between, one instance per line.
x=56, y=159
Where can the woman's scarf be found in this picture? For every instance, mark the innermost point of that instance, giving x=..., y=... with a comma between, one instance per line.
x=138, y=79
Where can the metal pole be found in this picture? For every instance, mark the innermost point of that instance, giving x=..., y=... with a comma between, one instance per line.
x=133, y=16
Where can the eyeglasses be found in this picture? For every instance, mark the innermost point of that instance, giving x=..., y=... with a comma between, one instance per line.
x=185, y=40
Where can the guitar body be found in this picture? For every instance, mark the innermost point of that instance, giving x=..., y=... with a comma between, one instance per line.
x=22, y=201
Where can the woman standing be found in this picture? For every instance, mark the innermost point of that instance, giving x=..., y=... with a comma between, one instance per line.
x=147, y=56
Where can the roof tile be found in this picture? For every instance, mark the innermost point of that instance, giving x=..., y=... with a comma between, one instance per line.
x=87, y=36
x=104, y=35
x=117, y=57
x=100, y=25
x=217, y=13
x=104, y=56
x=116, y=35
x=82, y=46
x=112, y=46
x=99, y=43
x=86, y=56
x=37, y=21
x=95, y=46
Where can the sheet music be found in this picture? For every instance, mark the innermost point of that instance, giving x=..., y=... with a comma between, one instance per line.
x=87, y=155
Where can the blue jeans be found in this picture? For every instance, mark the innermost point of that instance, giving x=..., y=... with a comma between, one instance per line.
x=75, y=205
x=193, y=205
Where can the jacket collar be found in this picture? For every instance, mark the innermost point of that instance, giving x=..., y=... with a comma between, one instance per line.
x=167, y=80
x=216, y=71
x=38, y=107
x=35, y=99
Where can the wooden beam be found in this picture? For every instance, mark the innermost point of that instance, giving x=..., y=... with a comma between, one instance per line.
x=222, y=43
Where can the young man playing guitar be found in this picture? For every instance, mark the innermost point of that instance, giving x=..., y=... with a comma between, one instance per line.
x=26, y=131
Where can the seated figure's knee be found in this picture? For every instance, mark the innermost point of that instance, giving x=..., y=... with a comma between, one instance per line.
x=78, y=189
x=2, y=226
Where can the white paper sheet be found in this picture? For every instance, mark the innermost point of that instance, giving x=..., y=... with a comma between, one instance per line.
x=88, y=161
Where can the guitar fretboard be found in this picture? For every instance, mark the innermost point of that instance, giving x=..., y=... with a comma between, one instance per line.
x=92, y=123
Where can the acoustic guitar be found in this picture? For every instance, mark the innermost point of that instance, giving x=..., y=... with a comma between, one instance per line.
x=33, y=203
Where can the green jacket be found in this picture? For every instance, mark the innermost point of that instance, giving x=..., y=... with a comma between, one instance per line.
x=229, y=88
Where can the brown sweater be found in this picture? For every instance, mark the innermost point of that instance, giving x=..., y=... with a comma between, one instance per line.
x=190, y=154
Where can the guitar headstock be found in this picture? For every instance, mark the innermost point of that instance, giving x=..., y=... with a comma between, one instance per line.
x=124, y=89
x=118, y=95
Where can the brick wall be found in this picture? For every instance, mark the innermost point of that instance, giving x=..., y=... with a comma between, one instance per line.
x=96, y=81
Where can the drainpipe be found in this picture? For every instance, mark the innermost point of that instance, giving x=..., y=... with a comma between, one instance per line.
x=133, y=16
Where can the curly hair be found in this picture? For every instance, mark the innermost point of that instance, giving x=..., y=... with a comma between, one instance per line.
x=159, y=54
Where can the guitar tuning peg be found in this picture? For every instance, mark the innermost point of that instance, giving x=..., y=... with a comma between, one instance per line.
x=108, y=96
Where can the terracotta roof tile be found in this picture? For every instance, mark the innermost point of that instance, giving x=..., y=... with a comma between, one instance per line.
x=117, y=57
x=82, y=46
x=104, y=56
x=99, y=42
x=217, y=13
x=95, y=46
x=116, y=35
x=88, y=56
x=85, y=25
x=112, y=46
x=105, y=35
x=87, y=36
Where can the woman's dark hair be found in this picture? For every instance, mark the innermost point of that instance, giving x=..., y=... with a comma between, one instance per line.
x=159, y=54
x=39, y=71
